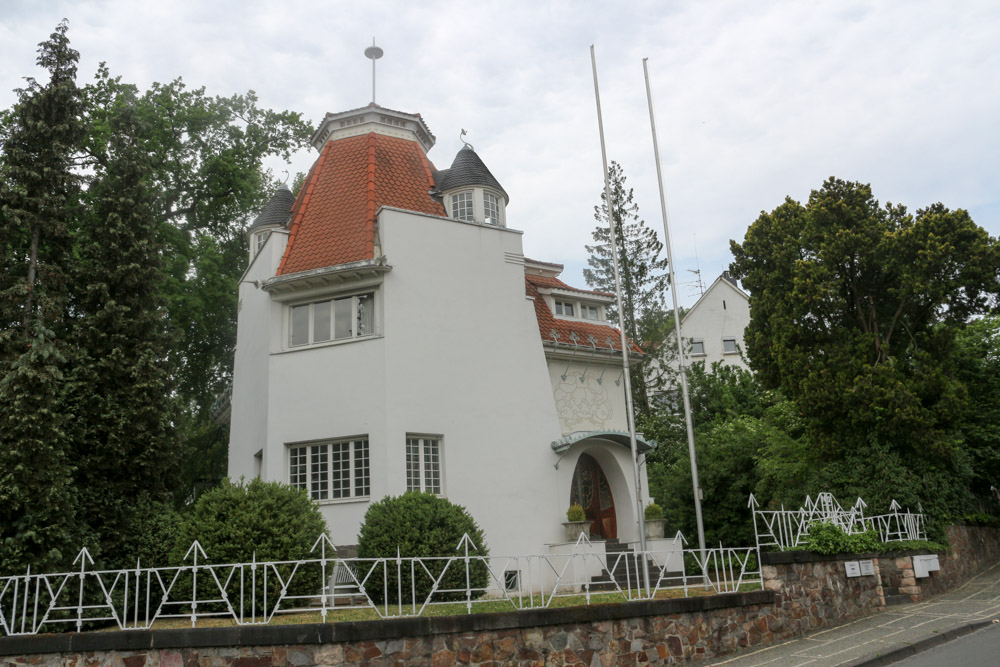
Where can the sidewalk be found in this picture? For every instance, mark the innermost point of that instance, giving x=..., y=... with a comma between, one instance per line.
x=888, y=636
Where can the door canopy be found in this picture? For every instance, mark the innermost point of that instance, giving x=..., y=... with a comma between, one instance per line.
x=615, y=437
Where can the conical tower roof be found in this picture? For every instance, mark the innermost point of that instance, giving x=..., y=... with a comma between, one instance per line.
x=277, y=211
x=466, y=170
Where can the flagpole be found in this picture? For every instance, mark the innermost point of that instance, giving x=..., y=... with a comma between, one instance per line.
x=621, y=329
x=677, y=320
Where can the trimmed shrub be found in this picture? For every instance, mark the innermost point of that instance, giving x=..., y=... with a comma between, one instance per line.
x=828, y=539
x=419, y=525
x=269, y=520
x=576, y=513
x=653, y=512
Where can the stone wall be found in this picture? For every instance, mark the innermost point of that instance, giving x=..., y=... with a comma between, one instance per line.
x=802, y=592
x=972, y=550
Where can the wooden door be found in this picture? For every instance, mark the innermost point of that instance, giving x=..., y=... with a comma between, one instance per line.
x=591, y=491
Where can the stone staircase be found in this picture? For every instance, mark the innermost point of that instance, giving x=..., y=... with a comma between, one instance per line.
x=619, y=558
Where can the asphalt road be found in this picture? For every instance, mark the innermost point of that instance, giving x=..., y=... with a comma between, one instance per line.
x=978, y=648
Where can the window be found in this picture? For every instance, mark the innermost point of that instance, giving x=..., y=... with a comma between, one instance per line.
x=729, y=346
x=332, y=319
x=261, y=240
x=511, y=580
x=491, y=209
x=589, y=312
x=331, y=470
x=564, y=308
x=423, y=464
x=462, y=206
x=697, y=347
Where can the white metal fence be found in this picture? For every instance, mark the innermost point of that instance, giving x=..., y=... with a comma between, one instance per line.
x=788, y=529
x=254, y=593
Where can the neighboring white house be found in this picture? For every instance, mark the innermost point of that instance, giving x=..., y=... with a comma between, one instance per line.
x=392, y=336
x=713, y=327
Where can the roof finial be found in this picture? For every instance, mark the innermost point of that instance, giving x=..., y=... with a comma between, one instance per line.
x=462, y=139
x=374, y=53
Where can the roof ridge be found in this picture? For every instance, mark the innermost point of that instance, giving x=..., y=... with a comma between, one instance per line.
x=370, y=214
x=301, y=204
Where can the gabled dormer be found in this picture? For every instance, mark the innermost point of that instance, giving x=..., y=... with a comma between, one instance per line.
x=469, y=191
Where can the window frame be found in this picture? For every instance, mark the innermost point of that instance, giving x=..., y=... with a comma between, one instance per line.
x=324, y=453
x=736, y=347
x=698, y=341
x=466, y=199
x=332, y=299
x=426, y=482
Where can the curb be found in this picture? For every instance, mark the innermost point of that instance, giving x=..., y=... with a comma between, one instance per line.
x=902, y=652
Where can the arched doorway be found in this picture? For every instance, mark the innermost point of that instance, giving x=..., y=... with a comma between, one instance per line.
x=591, y=491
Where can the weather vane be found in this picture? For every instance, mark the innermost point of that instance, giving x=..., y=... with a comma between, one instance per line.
x=461, y=138
x=374, y=53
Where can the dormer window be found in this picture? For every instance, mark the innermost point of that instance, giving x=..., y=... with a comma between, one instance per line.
x=462, y=207
x=578, y=309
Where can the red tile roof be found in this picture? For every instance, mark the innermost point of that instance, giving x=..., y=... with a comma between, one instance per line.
x=333, y=220
x=555, y=283
x=565, y=328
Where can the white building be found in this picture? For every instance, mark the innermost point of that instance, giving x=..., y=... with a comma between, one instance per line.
x=713, y=328
x=392, y=336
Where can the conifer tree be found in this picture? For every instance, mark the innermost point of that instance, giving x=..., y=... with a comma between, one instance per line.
x=127, y=447
x=642, y=274
x=38, y=196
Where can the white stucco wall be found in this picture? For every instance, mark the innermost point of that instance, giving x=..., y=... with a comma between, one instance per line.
x=458, y=355
x=722, y=312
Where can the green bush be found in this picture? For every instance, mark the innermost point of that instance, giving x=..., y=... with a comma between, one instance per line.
x=268, y=520
x=576, y=513
x=419, y=525
x=653, y=512
x=829, y=539
x=150, y=535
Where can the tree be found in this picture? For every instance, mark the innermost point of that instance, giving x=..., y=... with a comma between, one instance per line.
x=123, y=387
x=206, y=179
x=641, y=272
x=854, y=311
x=38, y=193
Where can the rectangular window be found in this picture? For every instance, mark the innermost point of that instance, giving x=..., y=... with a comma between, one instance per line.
x=697, y=347
x=337, y=319
x=588, y=312
x=564, y=308
x=729, y=346
x=461, y=206
x=331, y=470
x=491, y=209
x=423, y=464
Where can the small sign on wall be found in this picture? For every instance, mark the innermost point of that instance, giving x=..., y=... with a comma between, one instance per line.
x=853, y=568
x=867, y=567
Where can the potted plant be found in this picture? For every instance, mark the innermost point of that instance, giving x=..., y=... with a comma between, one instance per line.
x=655, y=523
x=576, y=523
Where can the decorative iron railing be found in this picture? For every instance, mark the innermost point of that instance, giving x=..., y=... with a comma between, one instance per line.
x=254, y=593
x=787, y=529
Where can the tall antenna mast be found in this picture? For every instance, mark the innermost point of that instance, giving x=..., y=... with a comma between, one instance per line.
x=374, y=53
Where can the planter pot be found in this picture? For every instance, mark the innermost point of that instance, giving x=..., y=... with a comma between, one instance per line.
x=576, y=528
x=655, y=527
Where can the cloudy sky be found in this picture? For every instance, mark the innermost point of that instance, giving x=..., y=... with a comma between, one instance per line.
x=755, y=101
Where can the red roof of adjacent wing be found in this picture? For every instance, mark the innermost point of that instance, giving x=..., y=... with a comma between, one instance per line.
x=333, y=220
x=547, y=322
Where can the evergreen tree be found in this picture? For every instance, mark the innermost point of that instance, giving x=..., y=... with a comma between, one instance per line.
x=642, y=274
x=122, y=380
x=38, y=189
x=38, y=194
